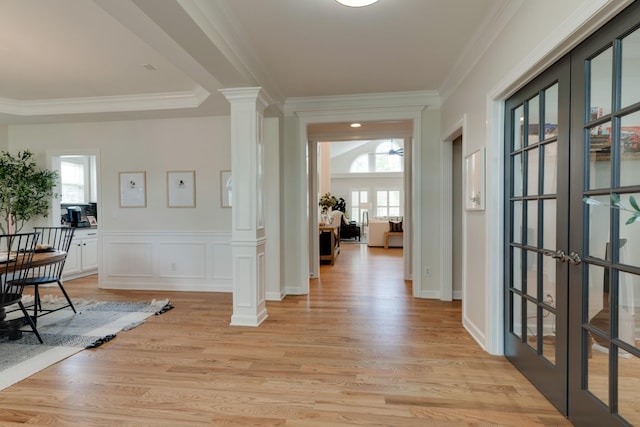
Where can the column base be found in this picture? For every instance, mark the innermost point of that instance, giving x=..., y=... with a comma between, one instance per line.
x=245, y=320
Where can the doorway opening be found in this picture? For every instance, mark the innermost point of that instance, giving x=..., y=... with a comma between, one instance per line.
x=457, y=266
x=373, y=175
x=79, y=187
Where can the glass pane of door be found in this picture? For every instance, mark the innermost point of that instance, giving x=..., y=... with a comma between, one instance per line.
x=537, y=287
x=604, y=378
x=630, y=78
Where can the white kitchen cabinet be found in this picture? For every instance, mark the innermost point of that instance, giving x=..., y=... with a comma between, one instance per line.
x=82, y=259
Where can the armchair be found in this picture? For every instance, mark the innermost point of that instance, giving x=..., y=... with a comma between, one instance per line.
x=348, y=229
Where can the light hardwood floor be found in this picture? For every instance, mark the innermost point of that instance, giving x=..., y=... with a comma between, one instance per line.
x=358, y=350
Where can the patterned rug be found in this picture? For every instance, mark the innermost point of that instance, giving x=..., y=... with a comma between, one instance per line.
x=65, y=333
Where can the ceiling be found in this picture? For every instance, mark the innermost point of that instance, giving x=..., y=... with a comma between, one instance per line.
x=92, y=60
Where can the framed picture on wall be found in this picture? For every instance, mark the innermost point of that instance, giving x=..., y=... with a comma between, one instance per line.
x=181, y=189
x=133, y=191
x=474, y=181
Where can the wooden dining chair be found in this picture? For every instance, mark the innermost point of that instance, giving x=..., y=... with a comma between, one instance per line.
x=50, y=239
x=16, y=253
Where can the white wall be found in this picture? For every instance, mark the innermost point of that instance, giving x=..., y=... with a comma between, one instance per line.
x=166, y=248
x=295, y=225
x=4, y=137
x=430, y=199
x=537, y=29
x=154, y=146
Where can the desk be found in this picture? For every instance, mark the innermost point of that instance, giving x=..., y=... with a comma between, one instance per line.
x=329, y=242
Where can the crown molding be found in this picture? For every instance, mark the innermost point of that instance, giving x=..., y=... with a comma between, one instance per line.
x=105, y=104
x=219, y=23
x=330, y=104
x=584, y=21
x=479, y=44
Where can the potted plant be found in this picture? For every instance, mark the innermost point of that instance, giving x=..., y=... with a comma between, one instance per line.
x=26, y=190
x=327, y=201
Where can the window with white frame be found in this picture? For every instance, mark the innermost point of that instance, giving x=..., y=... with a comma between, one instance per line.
x=389, y=156
x=387, y=203
x=73, y=181
x=385, y=156
x=359, y=204
x=360, y=164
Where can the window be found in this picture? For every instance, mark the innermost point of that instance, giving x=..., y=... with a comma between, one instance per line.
x=389, y=156
x=385, y=156
x=359, y=204
x=360, y=164
x=387, y=203
x=73, y=181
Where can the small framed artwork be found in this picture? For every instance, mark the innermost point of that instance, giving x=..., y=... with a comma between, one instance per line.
x=226, y=187
x=474, y=181
x=133, y=191
x=181, y=189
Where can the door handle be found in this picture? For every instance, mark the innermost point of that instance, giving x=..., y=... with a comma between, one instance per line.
x=558, y=255
x=574, y=258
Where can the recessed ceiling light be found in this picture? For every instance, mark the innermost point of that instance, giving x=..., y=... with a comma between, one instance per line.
x=355, y=125
x=356, y=3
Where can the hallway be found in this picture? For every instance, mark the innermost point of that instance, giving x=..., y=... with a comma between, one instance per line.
x=359, y=350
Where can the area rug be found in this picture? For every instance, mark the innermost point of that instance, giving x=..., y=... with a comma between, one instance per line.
x=65, y=333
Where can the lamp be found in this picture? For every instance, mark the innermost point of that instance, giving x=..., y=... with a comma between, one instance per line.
x=364, y=207
x=356, y=3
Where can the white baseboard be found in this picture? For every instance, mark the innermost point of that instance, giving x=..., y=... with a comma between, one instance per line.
x=475, y=332
x=275, y=296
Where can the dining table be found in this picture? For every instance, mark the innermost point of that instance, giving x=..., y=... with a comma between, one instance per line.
x=39, y=259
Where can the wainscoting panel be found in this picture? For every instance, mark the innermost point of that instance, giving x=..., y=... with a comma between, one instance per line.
x=158, y=260
x=129, y=259
x=182, y=260
x=221, y=261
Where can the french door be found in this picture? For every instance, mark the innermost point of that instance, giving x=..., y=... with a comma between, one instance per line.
x=572, y=276
x=604, y=321
x=536, y=213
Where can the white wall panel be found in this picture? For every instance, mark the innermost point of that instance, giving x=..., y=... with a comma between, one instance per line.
x=129, y=259
x=244, y=267
x=188, y=261
x=182, y=260
x=221, y=261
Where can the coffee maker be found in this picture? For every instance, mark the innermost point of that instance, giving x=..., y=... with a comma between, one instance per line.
x=75, y=215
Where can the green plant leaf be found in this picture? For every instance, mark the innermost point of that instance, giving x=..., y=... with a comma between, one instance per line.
x=634, y=218
x=633, y=202
x=25, y=189
x=615, y=198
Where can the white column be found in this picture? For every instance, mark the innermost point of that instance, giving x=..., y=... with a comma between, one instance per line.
x=248, y=239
